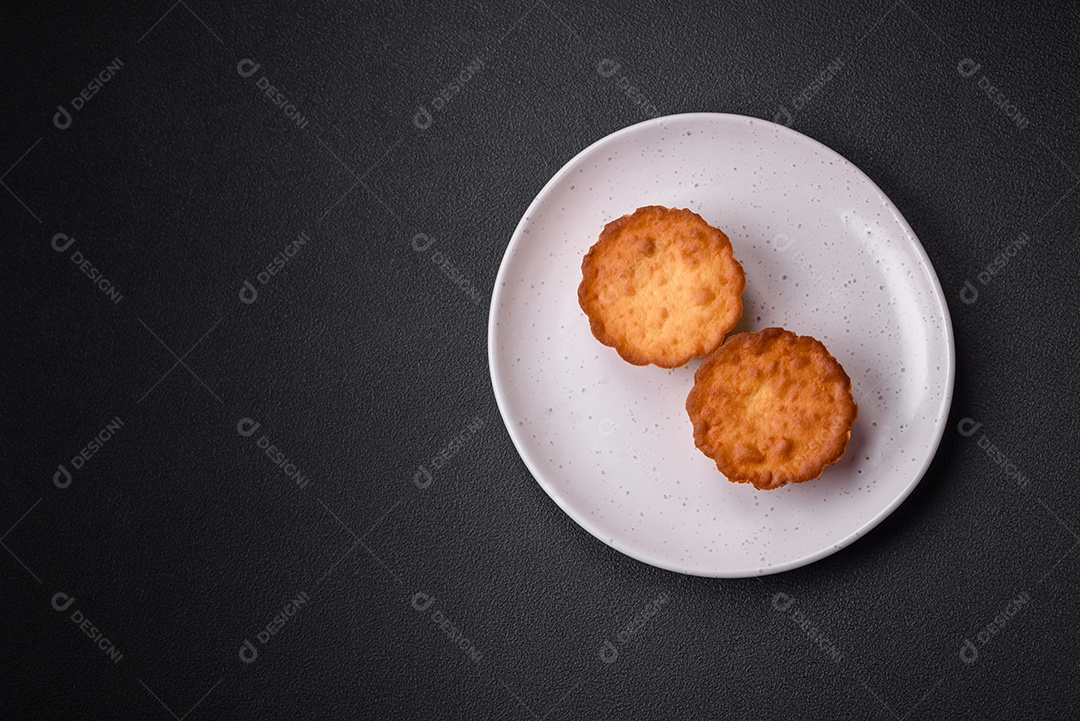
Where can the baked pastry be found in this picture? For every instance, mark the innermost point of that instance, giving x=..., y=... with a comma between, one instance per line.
x=771, y=408
x=661, y=286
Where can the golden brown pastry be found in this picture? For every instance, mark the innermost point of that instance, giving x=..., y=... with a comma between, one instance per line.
x=661, y=286
x=771, y=408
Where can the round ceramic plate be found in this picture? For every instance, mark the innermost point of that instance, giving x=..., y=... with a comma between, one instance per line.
x=825, y=253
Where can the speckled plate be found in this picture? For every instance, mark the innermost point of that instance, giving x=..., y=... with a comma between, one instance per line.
x=825, y=254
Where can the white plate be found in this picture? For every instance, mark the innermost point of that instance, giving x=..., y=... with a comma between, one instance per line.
x=825, y=253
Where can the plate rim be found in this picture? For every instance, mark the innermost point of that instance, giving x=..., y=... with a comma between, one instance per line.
x=944, y=410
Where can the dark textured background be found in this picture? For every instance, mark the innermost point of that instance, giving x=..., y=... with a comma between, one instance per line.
x=179, y=539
